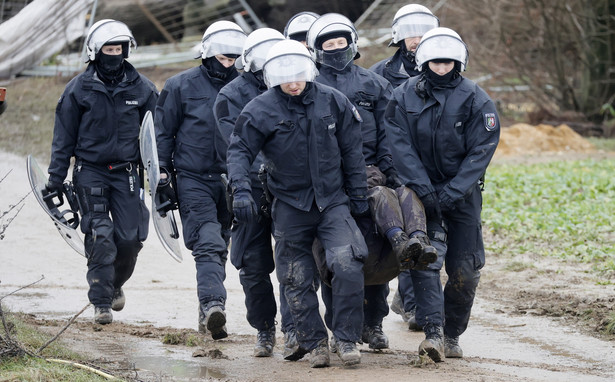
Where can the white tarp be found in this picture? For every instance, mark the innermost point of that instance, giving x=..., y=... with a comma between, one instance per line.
x=39, y=31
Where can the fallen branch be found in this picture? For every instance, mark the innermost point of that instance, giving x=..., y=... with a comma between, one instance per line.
x=82, y=366
x=63, y=329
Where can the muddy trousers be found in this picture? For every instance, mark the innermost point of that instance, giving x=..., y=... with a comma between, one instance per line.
x=206, y=229
x=410, y=217
x=345, y=249
x=465, y=257
x=375, y=307
x=252, y=255
x=115, y=223
x=429, y=295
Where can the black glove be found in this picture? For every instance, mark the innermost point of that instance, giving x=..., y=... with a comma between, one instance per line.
x=446, y=203
x=432, y=207
x=52, y=186
x=359, y=206
x=244, y=207
x=166, y=197
x=393, y=180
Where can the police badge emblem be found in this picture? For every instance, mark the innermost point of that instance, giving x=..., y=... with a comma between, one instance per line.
x=490, y=122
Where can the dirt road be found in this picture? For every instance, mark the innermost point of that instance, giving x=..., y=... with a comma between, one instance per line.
x=515, y=333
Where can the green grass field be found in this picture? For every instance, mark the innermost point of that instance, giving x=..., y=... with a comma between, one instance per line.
x=561, y=208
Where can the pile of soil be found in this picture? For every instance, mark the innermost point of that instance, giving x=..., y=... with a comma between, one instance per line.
x=523, y=139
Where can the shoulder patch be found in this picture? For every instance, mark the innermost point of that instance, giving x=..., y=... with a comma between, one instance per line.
x=490, y=121
x=356, y=114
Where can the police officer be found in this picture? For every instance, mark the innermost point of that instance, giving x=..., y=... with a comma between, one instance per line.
x=185, y=133
x=333, y=41
x=316, y=174
x=251, y=251
x=297, y=26
x=97, y=122
x=409, y=25
x=444, y=130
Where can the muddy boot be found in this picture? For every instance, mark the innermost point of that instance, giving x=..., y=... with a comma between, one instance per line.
x=452, y=348
x=375, y=337
x=319, y=356
x=213, y=321
x=265, y=341
x=290, y=343
x=333, y=347
x=433, y=344
x=412, y=325
x=292, y=350
x=407, y=249
x=397, y=306
x=119, y=300
x=347, y=351
x=428, y=254
x=102, y=316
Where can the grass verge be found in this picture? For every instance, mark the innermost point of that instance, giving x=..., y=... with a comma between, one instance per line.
x=28, y=368
x=562, y=209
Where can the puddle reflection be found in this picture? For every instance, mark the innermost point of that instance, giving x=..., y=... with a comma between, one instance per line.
x=176, y=367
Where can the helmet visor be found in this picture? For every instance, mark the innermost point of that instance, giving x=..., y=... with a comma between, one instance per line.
x=255, y=57
x=289, y=68
x=413, y=25
x=224, y=42
x=441, y=47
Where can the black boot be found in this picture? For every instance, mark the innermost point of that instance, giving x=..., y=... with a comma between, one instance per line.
x=407, y=249
x=375, y=337
x=428, y=254
x=265, y=341
x=119, y=300
x=102, y=316
x=347, y=352
x=212, y=320
x=452, y=348
x=433, y=344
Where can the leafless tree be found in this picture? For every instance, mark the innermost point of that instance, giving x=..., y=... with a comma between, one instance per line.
x=563, y=50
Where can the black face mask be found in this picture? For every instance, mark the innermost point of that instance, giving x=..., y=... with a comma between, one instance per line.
x=111, y=63
x=408, y=58
x=216, y=69
x=437, y=80
x=110, y=68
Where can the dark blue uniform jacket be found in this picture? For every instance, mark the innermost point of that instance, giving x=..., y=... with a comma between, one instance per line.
x=370, y=93
x=229, y=104
x=98, y=126
x=310, y=146
x=444, y=142
x=393, y=69
x=185, y=124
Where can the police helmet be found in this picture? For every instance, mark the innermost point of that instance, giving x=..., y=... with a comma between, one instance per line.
x=105, y=32
x=222, y=37
x=441, y=43
x=288, y=61
x=333, y=25
x=298, y=25
x=412, y=20
x=256, y=47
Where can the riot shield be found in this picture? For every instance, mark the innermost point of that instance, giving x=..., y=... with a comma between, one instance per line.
x=164, y=221
x=66, y=221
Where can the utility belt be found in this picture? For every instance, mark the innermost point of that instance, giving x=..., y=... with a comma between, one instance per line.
x=115, y=167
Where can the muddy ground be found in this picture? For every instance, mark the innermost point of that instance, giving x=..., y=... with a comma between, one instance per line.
x=540, y=320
